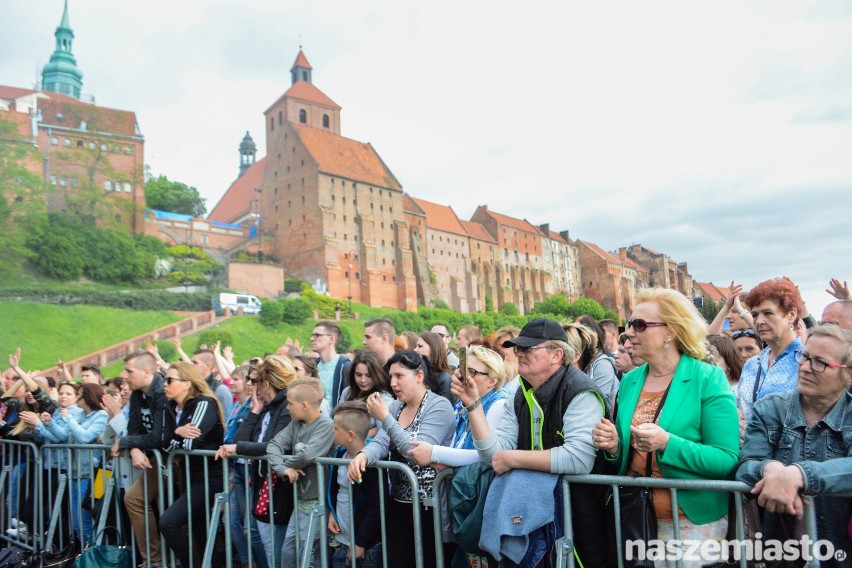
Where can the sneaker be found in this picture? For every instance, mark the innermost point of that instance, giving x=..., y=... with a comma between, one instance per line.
x=13, y=523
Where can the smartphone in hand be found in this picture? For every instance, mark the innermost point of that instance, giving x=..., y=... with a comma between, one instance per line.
x=463, y=364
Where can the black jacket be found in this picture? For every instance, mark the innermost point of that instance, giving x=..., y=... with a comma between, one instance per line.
x=247, y=445
x=365, y=502
x=145, y=423
x=203, y=412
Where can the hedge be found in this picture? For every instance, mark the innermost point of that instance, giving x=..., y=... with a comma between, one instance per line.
x=134, y=300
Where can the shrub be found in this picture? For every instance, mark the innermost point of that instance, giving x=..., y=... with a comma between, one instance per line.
x=134, y=300
x=296, y=310
x=344, y=344
x=440, y=304
x=209, y=337
x=293, y=285
x=272, y=313
x=509, y=309
x=167, y=350
x=489, y=304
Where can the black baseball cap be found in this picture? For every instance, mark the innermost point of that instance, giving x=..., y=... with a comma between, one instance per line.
x=537, y=331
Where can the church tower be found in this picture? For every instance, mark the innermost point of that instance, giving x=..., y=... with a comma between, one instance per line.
x=248, y=153
x=301, y=70
x=62, y=75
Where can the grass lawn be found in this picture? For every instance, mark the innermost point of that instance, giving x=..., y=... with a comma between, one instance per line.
x=47, y=332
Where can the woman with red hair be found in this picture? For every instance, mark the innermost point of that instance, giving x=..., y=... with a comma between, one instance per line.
x=775, y=305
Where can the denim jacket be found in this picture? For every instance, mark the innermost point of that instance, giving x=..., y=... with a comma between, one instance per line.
x=778, y=431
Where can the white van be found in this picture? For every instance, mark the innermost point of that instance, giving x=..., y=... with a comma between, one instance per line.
x=250, y=304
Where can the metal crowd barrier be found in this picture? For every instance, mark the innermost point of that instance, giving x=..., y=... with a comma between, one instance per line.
x=18, y=488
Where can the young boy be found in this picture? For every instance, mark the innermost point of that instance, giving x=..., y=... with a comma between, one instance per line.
x=351, y=424
x=307, y=437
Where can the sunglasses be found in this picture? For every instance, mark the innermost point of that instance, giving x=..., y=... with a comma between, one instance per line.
x=640, y=325
x=817, y=365
x=744, y=333
x=170, y=380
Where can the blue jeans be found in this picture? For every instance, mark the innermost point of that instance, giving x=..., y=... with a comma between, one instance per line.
x=78, y=488
x=372, y=557
x=238, y=517
x=273, y=539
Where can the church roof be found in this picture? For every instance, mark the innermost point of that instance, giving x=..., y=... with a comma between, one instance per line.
x=236, y=201
x=477, y=231
x=441, y=217
x=301, y=61
x=339, y=156
x=712, y=291
x=410, y=206
x=304, y=91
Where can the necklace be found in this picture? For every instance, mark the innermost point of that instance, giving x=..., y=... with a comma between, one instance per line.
x=660, y=376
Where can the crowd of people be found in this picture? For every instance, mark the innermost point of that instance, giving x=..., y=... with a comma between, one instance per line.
x=760, y=395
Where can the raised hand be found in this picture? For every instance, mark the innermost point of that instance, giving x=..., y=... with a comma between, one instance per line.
x=838, y=290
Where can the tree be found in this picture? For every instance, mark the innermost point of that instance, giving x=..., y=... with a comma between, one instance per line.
x=509, y=309
x=173, y=196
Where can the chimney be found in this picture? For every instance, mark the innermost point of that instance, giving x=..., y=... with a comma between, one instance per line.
x=545, y=228
x=565, y=235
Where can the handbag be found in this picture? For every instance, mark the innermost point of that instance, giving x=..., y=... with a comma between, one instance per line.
x=105, y=555
x=638, y=518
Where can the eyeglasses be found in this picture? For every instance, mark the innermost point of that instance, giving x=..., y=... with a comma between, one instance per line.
x=471, y=372
x=748, y=332
x=444, y=335
x=817, y=365
x=640, y=325
x=170, y=380
x=521, y=349
x=317, y=335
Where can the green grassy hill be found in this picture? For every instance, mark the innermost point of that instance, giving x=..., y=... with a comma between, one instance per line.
x=46, y=332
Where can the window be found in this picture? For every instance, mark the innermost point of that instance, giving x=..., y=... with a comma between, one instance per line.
x=346, y=274
x=271, y=123
x=63, y=181
x=92, y=145
x=127, y=187
x=116, y=149
x=75, y=182
x=280, y=118
x=107, y=184
x=325, y=121
x=128, y=150
x=54, y=141
x=344, y=218
x=104, y=148
x=79, y=143
x=303, y=116
x=67, y=142
x=384, y=261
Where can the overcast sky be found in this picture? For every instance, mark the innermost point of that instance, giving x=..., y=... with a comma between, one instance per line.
x=717, y=132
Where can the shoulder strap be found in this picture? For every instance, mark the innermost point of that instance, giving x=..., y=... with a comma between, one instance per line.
x=757, y=382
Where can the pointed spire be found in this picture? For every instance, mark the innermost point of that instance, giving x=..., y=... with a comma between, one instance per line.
x=65, y=23
x=62, y=75
x=301, y=70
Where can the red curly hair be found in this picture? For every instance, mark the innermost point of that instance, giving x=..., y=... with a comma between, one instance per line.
x=782, y=291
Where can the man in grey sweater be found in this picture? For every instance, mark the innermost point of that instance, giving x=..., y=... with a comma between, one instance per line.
x=306, y=438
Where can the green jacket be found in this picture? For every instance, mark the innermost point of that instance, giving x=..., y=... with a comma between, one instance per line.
x=700, y=415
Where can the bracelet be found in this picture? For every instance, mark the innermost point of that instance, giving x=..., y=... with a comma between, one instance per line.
x=809, y=321
x=743, y=313
x=473, y=405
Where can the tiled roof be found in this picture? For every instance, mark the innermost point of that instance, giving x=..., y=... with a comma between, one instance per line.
x=441, y=217
x=554, y=236
x=236, y=201
x=21, y=122
x=521, y=224
x=336, y=155
x=601, y=252
x=477, y=231
x=301, y=61
x=711, y=291
x=304, y=91
x=632, y=264
x=409, y=205
x=73, y=112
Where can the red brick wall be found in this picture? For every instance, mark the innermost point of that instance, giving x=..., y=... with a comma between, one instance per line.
x=262, y=280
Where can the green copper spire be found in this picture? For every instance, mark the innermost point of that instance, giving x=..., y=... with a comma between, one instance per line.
x=62, y=75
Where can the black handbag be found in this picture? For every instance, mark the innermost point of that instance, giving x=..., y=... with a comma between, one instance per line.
x=638, y=518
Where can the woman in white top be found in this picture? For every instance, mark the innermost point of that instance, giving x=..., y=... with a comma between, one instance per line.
x=487, y=371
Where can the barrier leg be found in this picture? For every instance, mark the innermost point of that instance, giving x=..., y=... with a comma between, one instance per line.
x=219, y=504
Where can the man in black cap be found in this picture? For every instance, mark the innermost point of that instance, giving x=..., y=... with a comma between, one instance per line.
x=548, y=425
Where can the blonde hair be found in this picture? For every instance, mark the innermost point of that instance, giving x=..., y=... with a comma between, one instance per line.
x=682, y=319
x=197, y=384
x=313, y=386
x=582, y=340
x=839, y=334
x=276, y=370
x=492, y=361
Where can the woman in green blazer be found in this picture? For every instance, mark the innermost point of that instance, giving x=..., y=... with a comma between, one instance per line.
x=695, y=435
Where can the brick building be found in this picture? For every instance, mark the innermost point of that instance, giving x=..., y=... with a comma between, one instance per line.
x=91, y=157
x=562, y=261
x=663, y=271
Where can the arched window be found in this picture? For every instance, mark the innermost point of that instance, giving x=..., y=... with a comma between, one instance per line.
x=271, y=123
x=325, y=121
x=303, y=116
x=280, y=118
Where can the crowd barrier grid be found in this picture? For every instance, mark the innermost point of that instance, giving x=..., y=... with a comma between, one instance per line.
x=16, y=487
